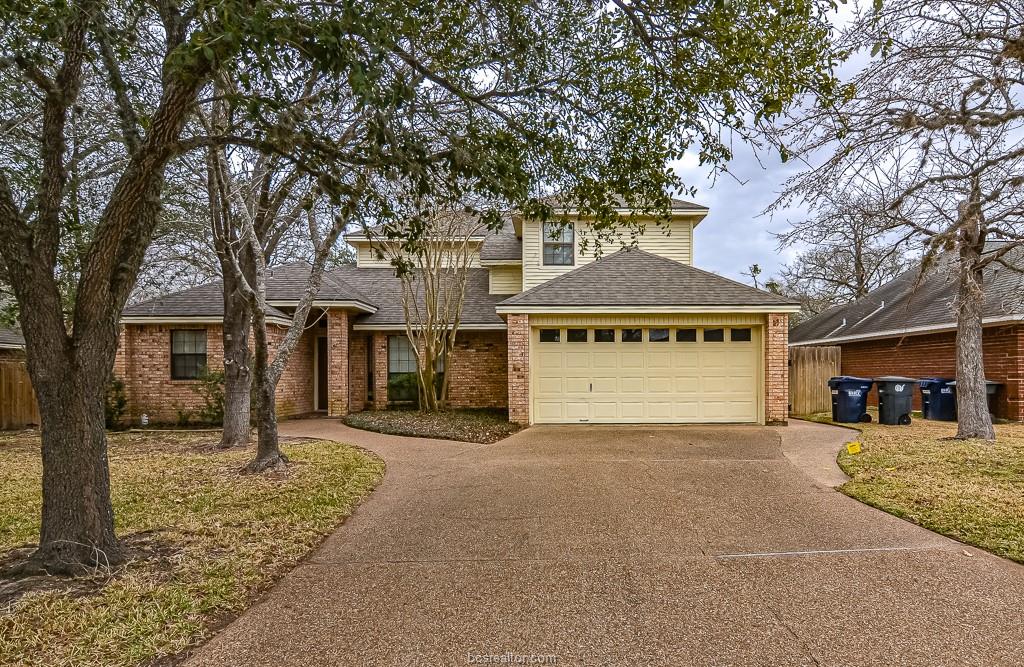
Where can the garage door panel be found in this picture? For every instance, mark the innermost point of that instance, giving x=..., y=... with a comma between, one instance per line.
x=663, y=381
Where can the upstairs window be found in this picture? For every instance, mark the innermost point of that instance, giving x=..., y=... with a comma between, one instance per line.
x=188, y=353
x=558, y=244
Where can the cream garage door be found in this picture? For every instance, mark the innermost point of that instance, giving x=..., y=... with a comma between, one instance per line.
x=648, y=374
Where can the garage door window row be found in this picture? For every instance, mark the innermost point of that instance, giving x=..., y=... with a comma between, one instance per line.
x=654, y=335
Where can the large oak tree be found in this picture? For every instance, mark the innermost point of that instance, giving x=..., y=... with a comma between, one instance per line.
x=506, y=99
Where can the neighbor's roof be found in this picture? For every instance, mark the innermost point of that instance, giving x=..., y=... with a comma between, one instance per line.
x=636, y=278
x=914, y=304
x=11, y=338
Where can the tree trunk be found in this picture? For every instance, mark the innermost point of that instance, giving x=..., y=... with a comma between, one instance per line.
x=268, y=451
x=974, y=420
x=237, y=365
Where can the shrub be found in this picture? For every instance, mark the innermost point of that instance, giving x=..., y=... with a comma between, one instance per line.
x=211, y=390
x=115, y=404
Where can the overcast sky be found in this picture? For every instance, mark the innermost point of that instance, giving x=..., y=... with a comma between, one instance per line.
x=735, y=235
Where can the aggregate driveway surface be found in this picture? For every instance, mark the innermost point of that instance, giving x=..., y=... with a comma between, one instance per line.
x=627, y=545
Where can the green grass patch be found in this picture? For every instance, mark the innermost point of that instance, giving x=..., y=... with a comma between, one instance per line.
x=970, y=490
x=483, y=426
x=204, y=542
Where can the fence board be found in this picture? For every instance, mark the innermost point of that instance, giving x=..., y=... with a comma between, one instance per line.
x=809, y=371
x=18, y=407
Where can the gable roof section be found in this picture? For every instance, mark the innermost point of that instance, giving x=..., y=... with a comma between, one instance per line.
x=913, y=304
x=636, y=279
x=204, y=303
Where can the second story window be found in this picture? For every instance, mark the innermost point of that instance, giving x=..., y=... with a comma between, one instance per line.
x=558, y=244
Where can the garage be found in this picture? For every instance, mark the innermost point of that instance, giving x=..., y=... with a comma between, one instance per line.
x=646, y=374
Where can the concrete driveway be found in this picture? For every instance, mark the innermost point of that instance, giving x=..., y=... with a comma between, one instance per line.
x=628, y=545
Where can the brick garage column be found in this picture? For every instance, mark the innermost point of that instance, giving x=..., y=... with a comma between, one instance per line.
x=776, y=368
x=380, y=370
x=337, y=362
x=519, y=369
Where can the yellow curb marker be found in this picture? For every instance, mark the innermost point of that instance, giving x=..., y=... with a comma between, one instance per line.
x=853, y=447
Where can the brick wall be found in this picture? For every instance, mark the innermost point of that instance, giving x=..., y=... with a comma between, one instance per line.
x=478, y=377
x=518, y=337
x=144, y=363
x=357, y=350
x=776, y=368
x=380, y=370
x=338, y=362
x=934, y=355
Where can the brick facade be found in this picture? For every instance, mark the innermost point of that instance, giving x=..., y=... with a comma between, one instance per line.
x=934, y=355
x=143, y=362
x=380, y=370
x=518, y=369
x=776, y=368
x=478, y=377
x=337, y=362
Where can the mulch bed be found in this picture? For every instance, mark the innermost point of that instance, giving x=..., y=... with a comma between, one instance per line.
x=483, y=426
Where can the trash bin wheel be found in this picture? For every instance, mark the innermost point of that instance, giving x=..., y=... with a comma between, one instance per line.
x=904, y=420
x=865, y=418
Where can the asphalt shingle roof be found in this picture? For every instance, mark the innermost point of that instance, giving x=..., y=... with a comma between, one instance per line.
x=202, y=301
x=634, y=277
x=912, y=301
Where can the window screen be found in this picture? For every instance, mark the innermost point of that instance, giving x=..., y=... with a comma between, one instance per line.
x=604, y=335
x=188, y=353
x=739, y=335
x=632, y=335
x=686, y=335
x=714, y=335
x=657, y=335
x=576, y=335
x=558, y=244
x=550, y=335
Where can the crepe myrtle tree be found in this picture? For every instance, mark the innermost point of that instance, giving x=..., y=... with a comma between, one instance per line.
x=931, y=131
x=588, y=98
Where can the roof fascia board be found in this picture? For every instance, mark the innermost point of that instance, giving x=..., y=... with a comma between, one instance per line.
x=401, y=327
x=327, y=303
x=640, y=310
x=911, y=331
x=501, y=262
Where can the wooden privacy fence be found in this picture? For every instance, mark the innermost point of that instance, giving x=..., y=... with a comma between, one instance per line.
x=18, y=407
x=809, y=371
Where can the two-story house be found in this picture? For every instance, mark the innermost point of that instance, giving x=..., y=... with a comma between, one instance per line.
x=548, y=332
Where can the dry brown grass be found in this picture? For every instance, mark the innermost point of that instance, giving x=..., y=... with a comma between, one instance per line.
x=204, y=539
x=970, y=490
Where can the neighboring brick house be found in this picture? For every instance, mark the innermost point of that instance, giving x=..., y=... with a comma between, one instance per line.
x=907, y=327
x=547, y=332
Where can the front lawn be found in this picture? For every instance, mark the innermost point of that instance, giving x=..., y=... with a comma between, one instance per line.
x=204, y=541
x=970, y=490
x=483, y=426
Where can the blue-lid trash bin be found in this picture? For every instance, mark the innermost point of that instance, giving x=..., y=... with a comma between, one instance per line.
x=895, y=399
x=938, y=399
x=850, y=399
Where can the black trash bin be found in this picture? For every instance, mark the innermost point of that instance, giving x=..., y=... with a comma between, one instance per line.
x=936, y=403
x=850, y=399
x=895, y=399
x=991, y=388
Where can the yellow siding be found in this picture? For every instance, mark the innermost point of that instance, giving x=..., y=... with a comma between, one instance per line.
x=673, y=240
x=366, y=257
x=506, y=279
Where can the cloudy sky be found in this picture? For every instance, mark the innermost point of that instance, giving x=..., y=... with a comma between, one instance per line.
x=735, y=234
